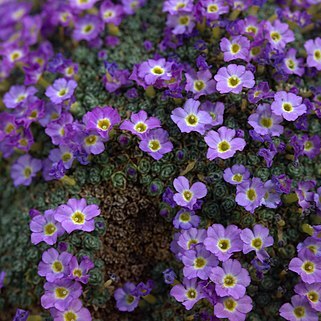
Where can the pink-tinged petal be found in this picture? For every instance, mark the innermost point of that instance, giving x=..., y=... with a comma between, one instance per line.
x=91, y=211
x=89, y=226
x=181, y=183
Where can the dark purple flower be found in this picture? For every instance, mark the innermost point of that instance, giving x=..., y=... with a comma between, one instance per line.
x=79, y=272
x=125, y=300
x=21, y=315
x=169, y=276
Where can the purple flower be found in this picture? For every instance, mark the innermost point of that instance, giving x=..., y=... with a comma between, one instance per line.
x=230, y=279
x=232, y=309
x=187, y=239
x=24, y=169
x=259, y=92
x=62, y=154
x=288, y=105
x=298, y=310
x=2, y=277
x=278, y=34
x=101, y=120
x=250, y=193
x=125, y=300
x=92, y=143
x=82, y=4
x=143, y=289
x=187, y=195
x=77, y=215
x=233, y=78
x=21, y=315
x=272, y=197
x=75, y=311
x=282, y=183
x=307, y=265
x=292, y=65
x=311, y=243
x=236, y=174
x=190, y=118
x=169, y=276
x=200, y=83
x=237, y=48
x=59, y=294
x=17, y=95
x=313, y=48
x=311, y=145
x=61, y=90
x=54, y=266
x=223, y=242
x=222, y=143
x=45, y=228
x=188, y=293
x=175, y=6
x=265, y=122
x=79, y=272
x=87, y=28
x=198, y=262
x=312, y=292
x=268, y=154
x=140, y=123
x=182, y=23
x=305, y=197
x=216, y=111
x=185, y=219
x=156, y=143
x=212, y=9
x=153, y=71
x=111, y=13
x=317, y=198
x=256, y=240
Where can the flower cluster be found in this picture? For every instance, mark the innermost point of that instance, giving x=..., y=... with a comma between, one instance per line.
x=62, y=271
x=210, y=272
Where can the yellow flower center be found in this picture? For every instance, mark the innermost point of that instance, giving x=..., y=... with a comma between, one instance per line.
x=223, y=146
x=308, y=267
x=66, y=157
x=27, y=172
x=77, y=272
x=287, y=107
x=50, y=229
x=191, y=293
x=185, y=217
x=140, y=127
x=21, y=98
x=187, y=195
x=257, y=243
x=154, y=145
x=199, y=85
x=15, y=55
x=184, y=20
x=313, y=296
x=233, y=81
x=57, y=266
x=61, y=293
x=103, y=124
x=317, y=54
x=9, y=128
x=255, y=51
x=237, y=178
x=291, y=64
x=229, y=281
x=224, y=245
x=70, y=316
x=308, y=145
x=191, y=120
x=230, y=304
x=257, y=93
x=180, y=5
x=191, y=242
x=212, y=8
x=251, y=194
x=87, y=28
x=299, y=311
x=313, y=249
x=199, y=263
x=157, y=70
x=235, y=48
x=275, y=36
x=33, y=114
x=62, y=92
x=108, y=14
x=251, y=29
x=78, y=217
x=91, y=140
x=266, y=122
x=130, y=299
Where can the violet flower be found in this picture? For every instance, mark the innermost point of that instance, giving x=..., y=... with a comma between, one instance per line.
x=125, y=300
x=61, y=90
x=236, y=174
x=200, y=83
x=185, y=219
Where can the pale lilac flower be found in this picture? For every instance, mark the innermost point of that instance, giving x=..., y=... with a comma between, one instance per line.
x=54, y=266
x=278, y=34
x=174, y=7
x=232, y=309
x=237, y=48
x=298, y=310
x=140, y=123
x=17, y=95
x=125, y=300
x=190, y=118
x=75, y=311
x=61, y=90
x=188, y=239
x=188, y=293
x=250, y=193
x=77, y=215
x=236, y=174
x=198, y=262
x=293, y=65
x=272, y=198
x=313, y=48
x=223, y=143
x=311, y=243
x=223, y=242
x=185, y=219
x=200, y=83
x=182, y=23
x=111, y=13
x=82, y=4
x=265, y=122
x=312, y=292
x=216, y=111
x=87, y=28
x=187, y=195
x=288, y=105
x=212, y=9
x=233, y=78
x=230, y=279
